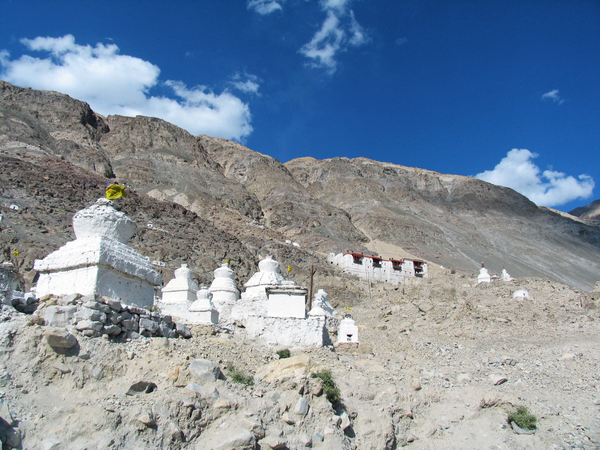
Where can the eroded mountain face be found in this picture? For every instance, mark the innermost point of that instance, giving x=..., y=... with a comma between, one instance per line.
x=244, y=198
x=453, y=220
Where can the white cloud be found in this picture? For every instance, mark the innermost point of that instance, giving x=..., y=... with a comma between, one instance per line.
x=325, y=44
x=548, y=188
x=119, y=84
x=401, y=41
x=339, y=31
x=553, y=95
x=340, y=5
x=248, y=86
x=264, y=7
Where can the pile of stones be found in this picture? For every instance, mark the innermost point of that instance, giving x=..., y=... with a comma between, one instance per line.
x=94, y=316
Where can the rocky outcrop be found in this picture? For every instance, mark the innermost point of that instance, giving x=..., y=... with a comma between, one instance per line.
x=54, y=123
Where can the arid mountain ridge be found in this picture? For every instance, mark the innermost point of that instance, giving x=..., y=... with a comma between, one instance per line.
x=233, y=202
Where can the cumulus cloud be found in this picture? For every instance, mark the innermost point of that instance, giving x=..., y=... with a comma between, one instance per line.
x=339, y=31
x=264, y=7
x=120, y=84
x=553, y=95
x=544, y=188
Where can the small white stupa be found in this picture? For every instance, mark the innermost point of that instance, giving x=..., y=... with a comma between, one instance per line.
x=348, y=330
x=223, y=289
x=99, y=261
x=484, y=275
x=505, y=275
x=267, y=277
x=202, y=310
x=178, y=294
x=321, y=306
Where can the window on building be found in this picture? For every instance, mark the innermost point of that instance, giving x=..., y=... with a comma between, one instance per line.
x=397, y=265
x=357, y=259
x=376, y=262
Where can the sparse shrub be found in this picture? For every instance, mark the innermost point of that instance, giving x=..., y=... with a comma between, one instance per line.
x=284, y=353
x=453, y=271
x=523, y=418
x=332, y=392
x=238, y=376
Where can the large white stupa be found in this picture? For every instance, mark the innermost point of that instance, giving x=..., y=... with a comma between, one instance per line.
x=99, y=261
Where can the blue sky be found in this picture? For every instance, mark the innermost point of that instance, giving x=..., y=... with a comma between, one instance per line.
x=506, y=90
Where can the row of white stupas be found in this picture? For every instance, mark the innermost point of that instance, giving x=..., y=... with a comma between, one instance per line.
x=99, y=262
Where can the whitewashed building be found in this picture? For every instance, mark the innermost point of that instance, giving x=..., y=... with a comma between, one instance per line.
x=375, y=268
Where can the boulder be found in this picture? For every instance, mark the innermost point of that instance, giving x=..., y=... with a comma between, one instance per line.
x=205, y=371
x=60, y=339
x=298, y=366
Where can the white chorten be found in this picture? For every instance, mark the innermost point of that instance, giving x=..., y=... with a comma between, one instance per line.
x=98, y=261
x=178, y=294
x=268, y=276
x=505, y=276
x=181, y=288
x=484, y=275
x=223, y=289
x=321, y=306
x=348, y=331
x=202, y=310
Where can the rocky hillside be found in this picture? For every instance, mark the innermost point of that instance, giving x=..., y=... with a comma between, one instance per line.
x=323, y=206
x=591, y=211
x=441, y=364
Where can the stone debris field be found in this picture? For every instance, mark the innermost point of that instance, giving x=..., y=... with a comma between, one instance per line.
x=440, y=364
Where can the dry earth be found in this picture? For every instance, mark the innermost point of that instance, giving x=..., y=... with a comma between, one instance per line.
x=422, y=378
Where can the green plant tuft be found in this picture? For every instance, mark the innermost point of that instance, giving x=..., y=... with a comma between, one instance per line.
x=284, y=353
x=523, y=418
x=332, y=392
x=238, y=376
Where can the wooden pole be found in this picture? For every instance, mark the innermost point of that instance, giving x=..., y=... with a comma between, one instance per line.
x=310, y=292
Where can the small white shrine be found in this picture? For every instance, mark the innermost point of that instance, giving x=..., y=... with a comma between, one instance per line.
x=178, y=294
x=203, y=311
x=348, y=331
x=224, y=291
x=182, y=288
x=321, y=305
x=505, y=275
x=99, y=261
x=484, y=275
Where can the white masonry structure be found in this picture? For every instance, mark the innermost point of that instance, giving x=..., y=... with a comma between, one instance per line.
x=348, y=331
x=99, y=261
x=178, y=294
x=203, y=311
x=484, y=275
x=274, y=310
x=375, y=268
x=224, y=291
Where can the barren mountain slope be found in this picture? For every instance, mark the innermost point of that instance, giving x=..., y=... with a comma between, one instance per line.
x=55, y=123
x=167, y=162
x=591, y=211
x=454, y=220
x=287, y=206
